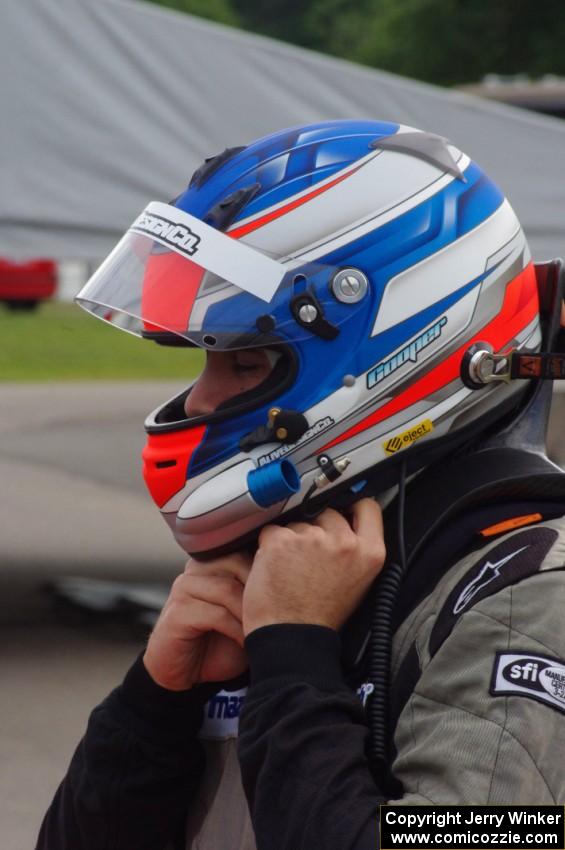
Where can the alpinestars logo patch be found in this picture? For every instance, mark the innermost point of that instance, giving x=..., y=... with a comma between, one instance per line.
x=487, y=573
x=513, y=559
x=539, y=677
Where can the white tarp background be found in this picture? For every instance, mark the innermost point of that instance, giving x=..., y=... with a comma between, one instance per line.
x=108, y=104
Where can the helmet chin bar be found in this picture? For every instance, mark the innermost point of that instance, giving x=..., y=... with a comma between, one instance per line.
x=481, y=366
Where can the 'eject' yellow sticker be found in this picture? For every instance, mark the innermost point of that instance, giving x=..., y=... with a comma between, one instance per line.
x=402, y=441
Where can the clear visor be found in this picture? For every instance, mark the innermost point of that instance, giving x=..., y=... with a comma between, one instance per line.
x=172, y=273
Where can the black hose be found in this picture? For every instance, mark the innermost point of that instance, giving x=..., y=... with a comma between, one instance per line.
x=385, y=595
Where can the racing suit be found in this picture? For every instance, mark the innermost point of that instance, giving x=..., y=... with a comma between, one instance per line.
x=477, y=703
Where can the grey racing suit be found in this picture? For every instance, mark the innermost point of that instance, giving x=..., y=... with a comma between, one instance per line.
x=484, y=720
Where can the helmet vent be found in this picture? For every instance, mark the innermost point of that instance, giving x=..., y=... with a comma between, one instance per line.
x=225, y=211
x=210, y=165
x=165, y=464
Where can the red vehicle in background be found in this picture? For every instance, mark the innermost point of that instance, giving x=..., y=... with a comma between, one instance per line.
x=23, y=285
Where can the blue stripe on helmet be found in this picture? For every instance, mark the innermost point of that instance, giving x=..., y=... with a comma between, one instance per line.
x=286, y=163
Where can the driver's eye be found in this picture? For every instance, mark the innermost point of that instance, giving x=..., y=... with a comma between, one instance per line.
x=249, y=361
x=240, y=368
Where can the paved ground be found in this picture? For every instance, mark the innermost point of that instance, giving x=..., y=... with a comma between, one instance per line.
x=73, y=503
x=51, y=678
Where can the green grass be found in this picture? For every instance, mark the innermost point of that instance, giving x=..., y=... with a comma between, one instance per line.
x=60, y=342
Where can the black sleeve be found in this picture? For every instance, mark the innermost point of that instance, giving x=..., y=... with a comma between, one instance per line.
x=131, y=778
x=302, y=745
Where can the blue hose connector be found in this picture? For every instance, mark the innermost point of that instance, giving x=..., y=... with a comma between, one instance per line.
x=273, y=482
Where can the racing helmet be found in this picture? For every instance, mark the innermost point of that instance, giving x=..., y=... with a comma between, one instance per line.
x=372, y=259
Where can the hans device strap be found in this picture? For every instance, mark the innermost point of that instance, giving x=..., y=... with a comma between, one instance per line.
x=481, y=366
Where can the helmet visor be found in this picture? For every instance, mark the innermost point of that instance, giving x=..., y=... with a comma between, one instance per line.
x=172, y=273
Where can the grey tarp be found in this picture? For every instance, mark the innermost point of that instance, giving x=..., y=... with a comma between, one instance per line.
x=107, y=104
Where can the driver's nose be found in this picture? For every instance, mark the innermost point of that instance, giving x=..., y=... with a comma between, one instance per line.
x=226, y=374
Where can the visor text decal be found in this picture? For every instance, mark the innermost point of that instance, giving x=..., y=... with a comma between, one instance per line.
x=178, y=236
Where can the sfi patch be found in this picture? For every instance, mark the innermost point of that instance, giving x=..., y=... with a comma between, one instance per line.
x=402, y=441
x=514, y=559
x=524, y=674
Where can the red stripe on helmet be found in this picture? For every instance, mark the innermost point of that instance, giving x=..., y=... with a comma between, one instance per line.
x=165, y=461
x=238, y=232
x=520, y=306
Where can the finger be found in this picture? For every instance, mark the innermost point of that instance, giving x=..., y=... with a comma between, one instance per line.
x=332, y=521
x=238, y=564
x=299, y=527
x=367, y=520
x=226, y=591
x=233, y=561
x=206, y=617
x=273, y=532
